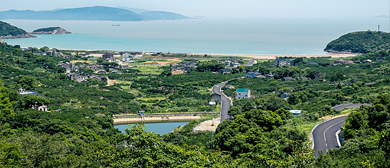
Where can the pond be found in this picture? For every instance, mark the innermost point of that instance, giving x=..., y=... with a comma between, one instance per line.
x=159, y=128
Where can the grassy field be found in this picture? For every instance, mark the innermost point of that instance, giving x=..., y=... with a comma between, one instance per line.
x=153, y=98
x=148, y=69
x=124, y=82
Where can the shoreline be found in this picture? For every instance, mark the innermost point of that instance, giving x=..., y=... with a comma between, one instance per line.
x=252, y=56
x=273, y=56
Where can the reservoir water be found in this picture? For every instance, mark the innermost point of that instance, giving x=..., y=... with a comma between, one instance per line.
x=159, y=128
x=211, y=36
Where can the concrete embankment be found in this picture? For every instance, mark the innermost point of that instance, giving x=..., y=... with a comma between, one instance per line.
x=208, y=125
x=150, y=118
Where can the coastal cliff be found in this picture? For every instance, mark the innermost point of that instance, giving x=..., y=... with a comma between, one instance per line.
x=51, y=30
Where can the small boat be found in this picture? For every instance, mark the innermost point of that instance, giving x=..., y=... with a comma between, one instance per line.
x=116, y=25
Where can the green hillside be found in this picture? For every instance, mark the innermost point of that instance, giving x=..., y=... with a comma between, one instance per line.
x=47, y=29
x=7, y=29
x=360, y=42
x=262, y=133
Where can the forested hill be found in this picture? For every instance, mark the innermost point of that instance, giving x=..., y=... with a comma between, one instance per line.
x=7, y=29
x=90, y=13
x=47, y=29
x=360, y=42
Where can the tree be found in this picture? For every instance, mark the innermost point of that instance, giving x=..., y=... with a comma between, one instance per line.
x=166, y=73
x=27, y=82
x=44, y=49
x=285, y=89
x=266, y=119
x=355, y=121
x=233, y=111
x=313, y=74
x=249, y=105
x=212, y=66
x=284, y=114
x=6, y=109
x=338, y=77
x=88, y=70
x=32, y=100
x=100, y=60
x=384, y=141
x=273, y=103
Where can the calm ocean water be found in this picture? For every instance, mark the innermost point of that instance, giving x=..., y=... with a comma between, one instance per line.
x=212, y=36
x=159, y=128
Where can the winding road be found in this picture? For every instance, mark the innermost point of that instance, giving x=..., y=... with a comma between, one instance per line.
x=324, y=135
x=225, y=102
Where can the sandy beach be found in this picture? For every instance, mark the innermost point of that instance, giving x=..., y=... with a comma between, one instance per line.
x=255, y=56
x=274, y=56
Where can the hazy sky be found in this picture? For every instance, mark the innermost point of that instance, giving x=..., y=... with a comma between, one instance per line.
x=226, y=8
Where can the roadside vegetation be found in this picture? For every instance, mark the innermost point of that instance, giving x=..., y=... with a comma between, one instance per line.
x=78, y=129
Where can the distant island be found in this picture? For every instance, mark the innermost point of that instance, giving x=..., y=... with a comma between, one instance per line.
x=8, y=31
x=51, y=30
x=360, y=42
x=91, y=13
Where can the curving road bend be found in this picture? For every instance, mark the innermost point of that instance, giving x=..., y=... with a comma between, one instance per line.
x=324, y=135
x=225, y=102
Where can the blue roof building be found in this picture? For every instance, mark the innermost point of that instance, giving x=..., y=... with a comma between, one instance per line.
x=243, y=93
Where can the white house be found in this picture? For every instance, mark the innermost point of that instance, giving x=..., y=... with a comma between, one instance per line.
x=126, y=57
x=23, y=92
x=243, y=93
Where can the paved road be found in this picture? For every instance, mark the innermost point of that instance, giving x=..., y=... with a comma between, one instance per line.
x=324, y=135
x=342, y=106
x=226, y=102
x=251, y=62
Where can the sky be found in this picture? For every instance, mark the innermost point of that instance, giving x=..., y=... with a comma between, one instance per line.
x=226, y=8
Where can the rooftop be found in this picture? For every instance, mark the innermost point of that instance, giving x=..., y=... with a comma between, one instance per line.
x=242, y=90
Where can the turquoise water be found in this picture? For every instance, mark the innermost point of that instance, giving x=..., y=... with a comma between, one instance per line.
x=212, y=36
x=159, y=128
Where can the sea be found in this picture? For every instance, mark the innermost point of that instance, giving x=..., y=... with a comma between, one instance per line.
x=249, y=36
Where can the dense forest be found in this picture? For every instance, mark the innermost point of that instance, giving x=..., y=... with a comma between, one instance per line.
x=262, y=133
x=360, y=42
x=6, y=29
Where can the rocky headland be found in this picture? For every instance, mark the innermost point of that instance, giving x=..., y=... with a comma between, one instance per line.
x=51, y=30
